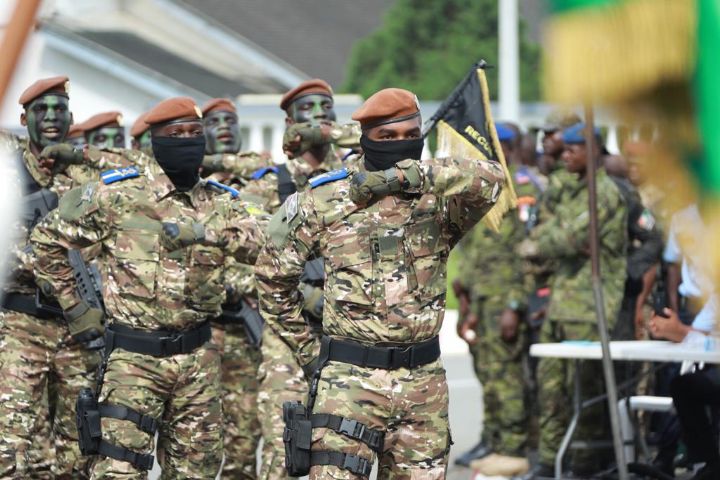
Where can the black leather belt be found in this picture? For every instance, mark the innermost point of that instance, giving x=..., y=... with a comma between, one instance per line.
x=30, y=305
x=158, y=343
x=388, y=358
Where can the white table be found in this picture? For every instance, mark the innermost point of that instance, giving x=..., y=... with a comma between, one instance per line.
x=641, y=351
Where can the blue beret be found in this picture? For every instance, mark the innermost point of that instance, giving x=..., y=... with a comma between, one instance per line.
x=576, y=134
x=504, y=132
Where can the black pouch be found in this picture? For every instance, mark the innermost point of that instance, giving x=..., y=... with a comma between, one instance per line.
x=87, y=416
x=297, y=438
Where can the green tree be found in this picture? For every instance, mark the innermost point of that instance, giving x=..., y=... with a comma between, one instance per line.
x=427, y=46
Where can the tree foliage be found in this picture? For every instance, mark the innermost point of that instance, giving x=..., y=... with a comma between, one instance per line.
x=427, y=46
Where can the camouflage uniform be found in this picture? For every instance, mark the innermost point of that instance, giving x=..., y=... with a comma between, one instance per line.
x=40, y=364
x=385, y=267
x=281, y=378
x=493, y=273
x=234, y=168
x=563, y=238
x=154, y=284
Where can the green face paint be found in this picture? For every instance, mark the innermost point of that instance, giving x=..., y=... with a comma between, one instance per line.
x=48, y=120
x=313, y=108
x=107, y=137
x=144, y=140
x=222, y=133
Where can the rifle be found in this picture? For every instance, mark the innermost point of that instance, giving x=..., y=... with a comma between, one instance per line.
x=89, y=287
x=251, y=319
x=660, y=298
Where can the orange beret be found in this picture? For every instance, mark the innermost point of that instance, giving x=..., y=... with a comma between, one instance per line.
x=104, y=119
x=173, y=109
x=139, y=127
x=76, y=130
x=387, y=106
x=308, y=87
x=56, y=85
x=218, y=105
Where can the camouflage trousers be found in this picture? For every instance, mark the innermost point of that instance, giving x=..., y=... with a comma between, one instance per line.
x=239, y=386
x=281, y=380
x=40, y=365
x=183, y=391
x=411, y=406
x=502, y=369
x=556, y=381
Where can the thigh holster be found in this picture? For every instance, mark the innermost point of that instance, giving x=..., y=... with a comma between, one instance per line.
x=88, y=417
x=297, y=437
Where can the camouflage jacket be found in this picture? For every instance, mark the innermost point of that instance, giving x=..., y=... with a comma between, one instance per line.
x=489, y=266
x=263, y=187
x=20, y=278
x=152, y=283
x=385, y=263
x=564, y=238
x=234, y=168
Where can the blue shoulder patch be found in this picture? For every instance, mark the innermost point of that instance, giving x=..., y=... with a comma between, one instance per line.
x=262, y=172
x=227, y=188
x=118, y=174
x=329, y=177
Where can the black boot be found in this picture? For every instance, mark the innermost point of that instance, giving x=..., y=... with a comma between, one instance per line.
x=481, y=450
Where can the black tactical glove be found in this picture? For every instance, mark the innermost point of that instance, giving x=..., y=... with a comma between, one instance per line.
x=180, y=235
x=63, y=155
x=366, y=185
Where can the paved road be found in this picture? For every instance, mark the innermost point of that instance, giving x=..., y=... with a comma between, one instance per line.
x=465, y=397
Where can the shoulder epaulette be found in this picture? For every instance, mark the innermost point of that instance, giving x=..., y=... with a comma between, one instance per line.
x=227, y=188
x=118, y=174
x=262, y=172
x=329, y=177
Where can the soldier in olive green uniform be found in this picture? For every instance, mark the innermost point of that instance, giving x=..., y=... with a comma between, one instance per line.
x=39, y=356
x=223, y=160
x=385, y=230
x=310, y=143
x=105, y=130
x=564, y=239
x=165, y=237
x=492, y=276
x=239, y=359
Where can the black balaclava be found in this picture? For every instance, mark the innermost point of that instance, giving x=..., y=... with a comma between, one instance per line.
x=381, y=155
x=180, y=159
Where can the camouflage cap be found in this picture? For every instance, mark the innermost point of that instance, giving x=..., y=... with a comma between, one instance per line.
x=76, y=131
x=387, y=106
x=560, y=119
x=139, y=126
x=309, y=87
x=53, y=85
x=104, y=119
x=171, y=109
x=218, y=105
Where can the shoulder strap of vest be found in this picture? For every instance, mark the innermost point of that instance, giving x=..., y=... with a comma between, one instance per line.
x=286, y=186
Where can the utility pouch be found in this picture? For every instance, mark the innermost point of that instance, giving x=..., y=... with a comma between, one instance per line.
x=297, y=438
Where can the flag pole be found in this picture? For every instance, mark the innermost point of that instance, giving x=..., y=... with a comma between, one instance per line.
x=18, y=28
x=607, y=363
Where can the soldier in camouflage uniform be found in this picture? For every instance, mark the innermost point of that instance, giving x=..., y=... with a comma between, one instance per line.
x=223, y=160
x=239, y=359
x=385, y=230
x=140, y=136
x=165, y=237
x=495, y=287
x=564, y=239
x=39, y=358
x=76, y=136
x=310, y=142
x=105, y=130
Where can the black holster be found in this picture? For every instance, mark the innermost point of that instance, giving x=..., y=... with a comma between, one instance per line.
x=88, y=415
x=297, y=438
